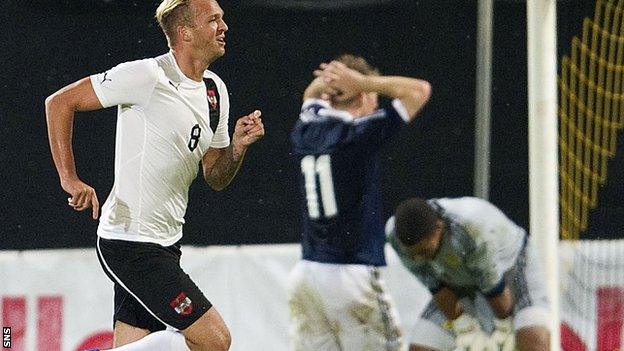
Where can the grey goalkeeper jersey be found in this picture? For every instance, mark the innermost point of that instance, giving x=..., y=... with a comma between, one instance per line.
x=479, y=245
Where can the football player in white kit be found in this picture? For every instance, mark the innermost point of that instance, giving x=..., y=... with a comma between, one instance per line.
x=482, y=271
x=172, y=115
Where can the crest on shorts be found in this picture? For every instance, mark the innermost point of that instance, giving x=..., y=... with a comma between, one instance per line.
x=182, y=304
x=212, y=98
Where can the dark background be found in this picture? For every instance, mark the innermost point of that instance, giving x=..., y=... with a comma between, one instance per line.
x=271, y=53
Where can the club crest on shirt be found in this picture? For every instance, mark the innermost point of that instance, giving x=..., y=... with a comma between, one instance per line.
x=212, y=98
x=182, y=304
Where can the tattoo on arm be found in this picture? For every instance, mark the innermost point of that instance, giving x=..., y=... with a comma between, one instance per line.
x=224, y=169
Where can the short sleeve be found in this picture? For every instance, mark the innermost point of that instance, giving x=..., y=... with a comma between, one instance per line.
x=401, y=110
x=130, y=83
x=221, y=136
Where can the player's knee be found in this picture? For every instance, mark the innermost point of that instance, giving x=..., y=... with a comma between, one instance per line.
x=213, y=341
x=225, y=340
x=218, y=342
x=209, y=334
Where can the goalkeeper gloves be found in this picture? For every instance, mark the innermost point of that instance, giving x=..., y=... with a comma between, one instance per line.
x=502, y=338
x=468, y=333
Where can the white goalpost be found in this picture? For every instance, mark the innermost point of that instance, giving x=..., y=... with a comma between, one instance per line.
x=543, y=134
x=543, y=146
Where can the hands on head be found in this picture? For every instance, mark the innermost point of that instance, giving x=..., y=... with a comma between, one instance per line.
x=341, y=83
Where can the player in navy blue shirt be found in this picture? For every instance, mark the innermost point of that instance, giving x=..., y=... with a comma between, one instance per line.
x=336, y=297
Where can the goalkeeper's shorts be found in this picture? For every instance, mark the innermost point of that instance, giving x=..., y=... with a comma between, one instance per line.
x=526, y=281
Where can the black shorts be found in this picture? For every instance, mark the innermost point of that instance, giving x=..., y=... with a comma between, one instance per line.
x=151, y=289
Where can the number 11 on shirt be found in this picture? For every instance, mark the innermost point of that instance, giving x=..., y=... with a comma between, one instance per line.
x=314, y=168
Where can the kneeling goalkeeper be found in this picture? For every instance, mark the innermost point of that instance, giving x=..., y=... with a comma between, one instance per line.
x=485, y=277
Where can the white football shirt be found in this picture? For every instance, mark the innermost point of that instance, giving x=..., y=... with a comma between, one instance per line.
x=163, y=131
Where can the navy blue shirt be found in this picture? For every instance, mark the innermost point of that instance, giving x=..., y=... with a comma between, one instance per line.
x=340, y=181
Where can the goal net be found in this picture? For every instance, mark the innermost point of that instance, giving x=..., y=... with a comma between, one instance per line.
x=590, y=118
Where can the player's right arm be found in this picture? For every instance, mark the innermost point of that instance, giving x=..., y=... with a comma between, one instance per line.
x=129, y=83
x=60, y=109
x=413, y=93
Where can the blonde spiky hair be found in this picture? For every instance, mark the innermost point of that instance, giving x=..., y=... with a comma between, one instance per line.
x=173, y=13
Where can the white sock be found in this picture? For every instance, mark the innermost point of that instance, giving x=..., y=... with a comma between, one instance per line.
x=164, y=340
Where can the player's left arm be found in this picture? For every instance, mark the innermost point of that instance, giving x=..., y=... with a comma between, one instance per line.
x=494, y=239
x=491, y=278
x=220, y=165
x=502, y=337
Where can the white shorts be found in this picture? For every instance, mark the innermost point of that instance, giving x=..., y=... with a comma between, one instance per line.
x=336, y=307
x=526, y=281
